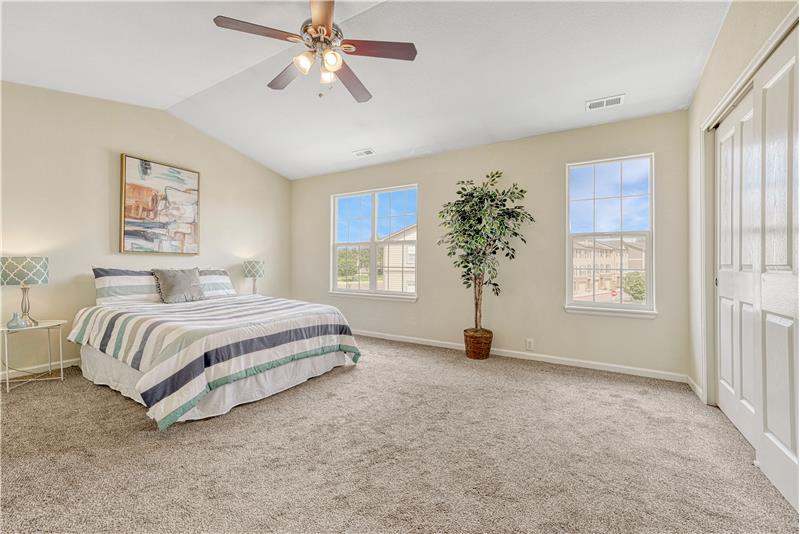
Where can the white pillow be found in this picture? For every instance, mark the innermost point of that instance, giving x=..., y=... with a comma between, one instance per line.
x=123, y=285
x=216, y=283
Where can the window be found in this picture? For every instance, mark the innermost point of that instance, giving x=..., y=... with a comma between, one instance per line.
x=375, y=242
x=610, y=237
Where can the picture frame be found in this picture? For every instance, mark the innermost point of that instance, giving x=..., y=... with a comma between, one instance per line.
x=159, y=208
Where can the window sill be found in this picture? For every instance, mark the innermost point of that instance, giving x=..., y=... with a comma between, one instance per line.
x=374, y=296
x=612, y=312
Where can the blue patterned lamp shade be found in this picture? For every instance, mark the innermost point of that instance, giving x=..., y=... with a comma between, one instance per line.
x=23, y=270
x=253, y=268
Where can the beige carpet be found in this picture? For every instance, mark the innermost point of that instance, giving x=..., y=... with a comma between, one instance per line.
x=412, y=439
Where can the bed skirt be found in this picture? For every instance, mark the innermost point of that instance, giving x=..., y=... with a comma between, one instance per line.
x=104, y=370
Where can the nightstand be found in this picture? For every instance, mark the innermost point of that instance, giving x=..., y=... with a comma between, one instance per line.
x=43, y=325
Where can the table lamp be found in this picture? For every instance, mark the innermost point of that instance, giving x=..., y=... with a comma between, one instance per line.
x=24, y=271
x=253, y=269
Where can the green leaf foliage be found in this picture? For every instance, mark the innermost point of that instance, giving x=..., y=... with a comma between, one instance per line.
x=634, y=285
x=482, y=225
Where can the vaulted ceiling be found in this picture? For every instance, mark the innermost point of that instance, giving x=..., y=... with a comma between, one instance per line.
x=485, y=72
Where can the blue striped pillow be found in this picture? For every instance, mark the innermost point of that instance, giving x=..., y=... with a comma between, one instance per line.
x=123, y=285
x=216, y=283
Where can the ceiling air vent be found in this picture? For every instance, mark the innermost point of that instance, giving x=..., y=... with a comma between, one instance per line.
x=605, y=102
x=364, y=153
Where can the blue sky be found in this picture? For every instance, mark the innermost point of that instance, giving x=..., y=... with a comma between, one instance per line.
x=396, y=210
x=610, y=197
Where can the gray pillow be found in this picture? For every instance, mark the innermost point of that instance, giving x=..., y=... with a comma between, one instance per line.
x=179, y=285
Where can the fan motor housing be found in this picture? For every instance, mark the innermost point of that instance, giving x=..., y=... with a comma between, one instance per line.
x=312, y=38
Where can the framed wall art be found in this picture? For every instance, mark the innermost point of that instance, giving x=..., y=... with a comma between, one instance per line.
x=159, y=208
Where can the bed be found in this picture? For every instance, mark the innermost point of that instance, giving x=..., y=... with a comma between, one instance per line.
x=193, y=360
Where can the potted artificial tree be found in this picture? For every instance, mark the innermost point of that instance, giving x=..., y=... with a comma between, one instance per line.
x=481, y=225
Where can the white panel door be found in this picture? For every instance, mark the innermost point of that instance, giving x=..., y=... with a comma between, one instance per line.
x=775, y=111
x=738, y=239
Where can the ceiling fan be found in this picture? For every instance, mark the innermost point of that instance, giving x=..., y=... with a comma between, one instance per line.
x=324, y=40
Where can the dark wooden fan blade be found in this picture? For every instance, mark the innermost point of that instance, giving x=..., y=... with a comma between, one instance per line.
x=385, y=49
x=284, y=78
x=353, y=84
x=322, y=14
x=248, y=27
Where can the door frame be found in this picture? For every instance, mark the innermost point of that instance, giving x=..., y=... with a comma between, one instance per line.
x=707, y=388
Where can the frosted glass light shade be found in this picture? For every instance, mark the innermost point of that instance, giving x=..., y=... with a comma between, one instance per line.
x=331, y=60
x=304, y=61
x=326, y=78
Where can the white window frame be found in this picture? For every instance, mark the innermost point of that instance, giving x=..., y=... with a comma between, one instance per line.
x=373, y=244
x=648, y=308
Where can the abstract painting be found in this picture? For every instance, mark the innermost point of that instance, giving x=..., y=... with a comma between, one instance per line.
x=159, y=208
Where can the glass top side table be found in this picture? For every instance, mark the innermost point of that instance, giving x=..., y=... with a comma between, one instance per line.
x=30, y=377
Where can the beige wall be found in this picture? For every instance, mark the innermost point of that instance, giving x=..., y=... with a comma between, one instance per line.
x=533, y=300
x=746, y=28
x=60, y=198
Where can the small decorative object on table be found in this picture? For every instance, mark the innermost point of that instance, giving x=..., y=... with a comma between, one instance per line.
x=16, y=322
x=481, y=225
x=253, y=269
x=6, y=331
x=24, y=271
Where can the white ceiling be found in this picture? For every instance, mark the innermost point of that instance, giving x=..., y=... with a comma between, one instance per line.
x=486, y=71
x=151, y=54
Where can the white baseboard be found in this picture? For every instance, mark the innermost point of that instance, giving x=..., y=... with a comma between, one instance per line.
x=697, y=389
x=37, y=369
x=559, y=360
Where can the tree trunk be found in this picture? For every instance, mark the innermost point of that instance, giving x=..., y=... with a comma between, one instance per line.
x=477, y=286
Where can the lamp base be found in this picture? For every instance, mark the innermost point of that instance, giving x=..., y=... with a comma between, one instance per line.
x=28, y=320
x=26, y=308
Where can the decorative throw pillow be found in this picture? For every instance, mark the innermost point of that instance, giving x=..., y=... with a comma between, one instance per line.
x=179, y=285
x=114, y=286
x=216, y=283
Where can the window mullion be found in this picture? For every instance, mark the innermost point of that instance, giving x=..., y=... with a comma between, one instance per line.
x=621, y=227
x=621, y=246
x=594, y=267
x=373, y=270
x=594, y=233
x=334, y=266
x=373, y=252
x=649, y=266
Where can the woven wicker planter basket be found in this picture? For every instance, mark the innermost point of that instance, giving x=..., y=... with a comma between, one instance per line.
x=478, y=343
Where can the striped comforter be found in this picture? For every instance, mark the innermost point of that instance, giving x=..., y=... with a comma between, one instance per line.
x=186, y=350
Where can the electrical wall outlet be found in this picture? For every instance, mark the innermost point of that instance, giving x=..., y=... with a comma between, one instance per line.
x=529, y=344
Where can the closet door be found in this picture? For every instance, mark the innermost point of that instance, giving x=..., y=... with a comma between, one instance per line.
x=738, y=240
x=775, y=111
x=738, y=234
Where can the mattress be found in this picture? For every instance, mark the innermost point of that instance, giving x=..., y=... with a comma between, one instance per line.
x=104, y=370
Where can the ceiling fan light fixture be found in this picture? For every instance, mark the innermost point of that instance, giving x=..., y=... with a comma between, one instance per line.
x=323, y=39
x=332, y=60
x=304, y=61
x=326, y=77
